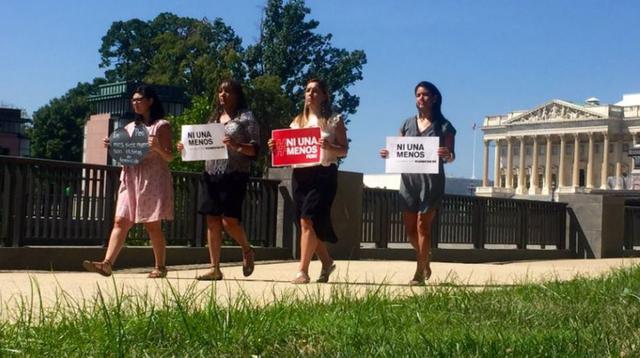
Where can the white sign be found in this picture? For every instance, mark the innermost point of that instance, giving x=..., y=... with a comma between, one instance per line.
x=203, y=142
x=412, y=155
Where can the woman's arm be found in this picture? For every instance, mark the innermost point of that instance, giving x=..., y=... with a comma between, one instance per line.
x=161, y=142
x=341, y=145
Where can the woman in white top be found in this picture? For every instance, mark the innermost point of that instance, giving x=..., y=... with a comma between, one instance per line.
x=314, y=186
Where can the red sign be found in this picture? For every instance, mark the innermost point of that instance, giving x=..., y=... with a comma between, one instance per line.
x=295, y=146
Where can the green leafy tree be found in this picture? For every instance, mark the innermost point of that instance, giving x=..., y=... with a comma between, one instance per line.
x=127, y=50
x=289, y=49
x=272, y=109
x=58, y=127
x=172, y=50
x=197, y=113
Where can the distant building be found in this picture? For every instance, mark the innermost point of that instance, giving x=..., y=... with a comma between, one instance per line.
x=455, y=186
x=561, y=146
x=13, y=140
x=112, y=110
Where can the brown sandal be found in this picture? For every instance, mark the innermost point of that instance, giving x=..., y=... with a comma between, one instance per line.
x=103, y=268
x=301, y=278
x=418, y=279
x=212, y=275
x=158, y=272
x=248, y=262
x=325, y=273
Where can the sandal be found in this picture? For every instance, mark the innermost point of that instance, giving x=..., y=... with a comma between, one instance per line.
x=418, y=279
x=248, y=262
x=103, y=268
x=212, y=275
x=325, y=273
x=158, y=272
x=301, y=278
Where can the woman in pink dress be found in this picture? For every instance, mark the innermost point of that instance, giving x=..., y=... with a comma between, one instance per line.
x=146, y=190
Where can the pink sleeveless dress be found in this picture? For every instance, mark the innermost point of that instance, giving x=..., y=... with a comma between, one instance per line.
x=146, y=189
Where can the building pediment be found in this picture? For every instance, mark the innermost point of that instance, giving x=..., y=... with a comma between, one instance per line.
x=555, y=111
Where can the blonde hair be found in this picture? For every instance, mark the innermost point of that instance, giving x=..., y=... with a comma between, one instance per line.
x=302, y=119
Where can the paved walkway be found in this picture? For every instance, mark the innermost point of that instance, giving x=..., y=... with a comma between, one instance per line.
x=270, y=281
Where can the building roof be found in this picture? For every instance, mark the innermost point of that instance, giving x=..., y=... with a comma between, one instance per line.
x=631, y=99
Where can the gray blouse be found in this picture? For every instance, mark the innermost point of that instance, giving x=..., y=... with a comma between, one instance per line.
x=243, y=128
x=420, y=192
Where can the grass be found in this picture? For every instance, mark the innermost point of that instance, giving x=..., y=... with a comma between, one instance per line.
x=583, y=317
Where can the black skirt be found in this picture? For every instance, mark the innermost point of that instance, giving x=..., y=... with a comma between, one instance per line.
x=314, y=189
x=223, y=194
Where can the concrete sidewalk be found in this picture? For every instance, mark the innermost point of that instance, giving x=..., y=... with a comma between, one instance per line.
x=270, y=281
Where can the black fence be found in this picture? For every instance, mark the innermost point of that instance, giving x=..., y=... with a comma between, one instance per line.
x=45, y=202
x=632, y=224
x=469, y=220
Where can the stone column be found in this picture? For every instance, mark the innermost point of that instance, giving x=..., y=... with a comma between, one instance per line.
x=533, y=188
x=485, y=166
x=633, y=143
x=575, y=180
x=509, y=183
x=590, y=162
x=632, y=162
x=496, y=170
x=521, y=172
x=605, y=162
x=563, y=153
x=546, y=189
x=618, y=154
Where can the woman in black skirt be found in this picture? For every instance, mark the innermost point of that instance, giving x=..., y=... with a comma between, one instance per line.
x=421, y=194
x=224, y=181
x=314, y=186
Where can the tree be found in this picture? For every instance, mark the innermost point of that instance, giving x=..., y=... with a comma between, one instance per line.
x=272, y=109
x=172, y=50
x=196, y=114
x=289, y=49
x=58, y=127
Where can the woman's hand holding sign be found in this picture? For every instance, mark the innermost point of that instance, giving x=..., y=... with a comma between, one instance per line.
x=384, y=153
x=445, y=154
x=230, y=142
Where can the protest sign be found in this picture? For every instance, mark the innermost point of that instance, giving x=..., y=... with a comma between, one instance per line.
x=203, y=142
x=129, y=149
x=412, y=155
x=295, y=146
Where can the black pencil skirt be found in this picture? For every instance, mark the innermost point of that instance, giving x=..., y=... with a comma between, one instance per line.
x=314, y=189
x=223, y=194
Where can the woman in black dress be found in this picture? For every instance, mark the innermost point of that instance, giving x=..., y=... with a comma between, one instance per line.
x=314, y=186
x=421, y=194
x=224, y=181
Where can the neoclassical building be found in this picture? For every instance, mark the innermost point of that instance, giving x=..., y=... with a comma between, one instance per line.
x=562, y=147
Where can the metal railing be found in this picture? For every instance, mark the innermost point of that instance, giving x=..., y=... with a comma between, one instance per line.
x=631, y=224
x=469, y=220
x=44, y=202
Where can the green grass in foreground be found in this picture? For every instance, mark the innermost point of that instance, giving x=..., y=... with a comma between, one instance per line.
x=584, y=317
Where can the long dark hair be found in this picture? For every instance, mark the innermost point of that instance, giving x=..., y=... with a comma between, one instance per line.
x=436, y=110
x=156, y=111
x=241, y=101
x=325, y=108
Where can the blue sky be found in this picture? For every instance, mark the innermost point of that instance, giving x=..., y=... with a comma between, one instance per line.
x=487, y=57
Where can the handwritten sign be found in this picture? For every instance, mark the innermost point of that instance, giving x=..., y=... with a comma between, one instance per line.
x=412, y=155
x=129, y=149
x=296, y=146
x=203, y=142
